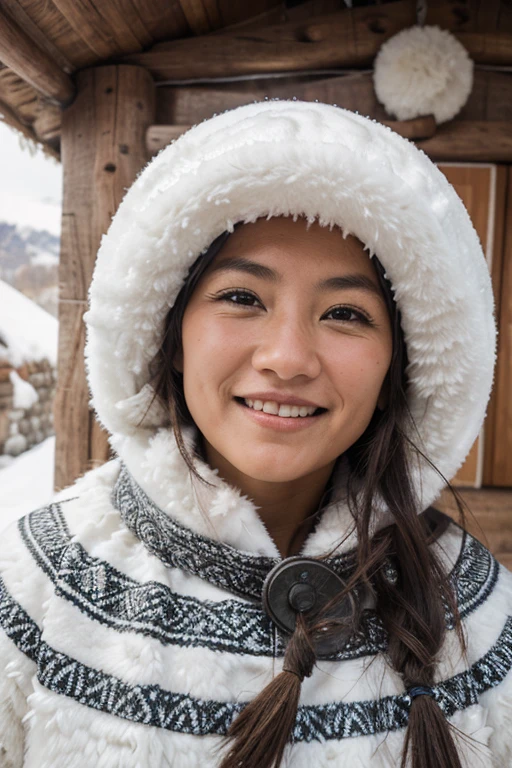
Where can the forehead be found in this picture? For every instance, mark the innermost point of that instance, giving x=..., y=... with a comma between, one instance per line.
x=283, y=242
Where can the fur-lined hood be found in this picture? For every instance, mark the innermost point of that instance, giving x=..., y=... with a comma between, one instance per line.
x=293, y=158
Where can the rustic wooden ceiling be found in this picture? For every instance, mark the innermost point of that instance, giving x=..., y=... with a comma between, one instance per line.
x=75, y=34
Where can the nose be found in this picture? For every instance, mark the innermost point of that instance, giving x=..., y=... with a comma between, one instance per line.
x=287, y=348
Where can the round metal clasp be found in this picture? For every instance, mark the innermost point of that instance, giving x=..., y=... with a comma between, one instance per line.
x=301, y=584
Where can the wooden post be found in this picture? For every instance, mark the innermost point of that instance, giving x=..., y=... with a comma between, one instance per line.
x=103, y=147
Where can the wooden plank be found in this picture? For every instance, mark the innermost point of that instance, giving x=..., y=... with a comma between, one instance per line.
x=186, y=106
x=346, y=38
x=502, y=453
x=103, y=149
x=489, y=518
x=474, y=185
x=494, y=420
x=48, y=123
x=202, y=15
x=108, y=29
x=54, y=27
x=191, y=104
x=21, y=54
x=471, y=15
x=477, y=141
x=158, y=136
x=487, y=47
x=25, y=21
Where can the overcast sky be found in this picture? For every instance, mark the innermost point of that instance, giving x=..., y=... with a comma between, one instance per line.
x=30, y=185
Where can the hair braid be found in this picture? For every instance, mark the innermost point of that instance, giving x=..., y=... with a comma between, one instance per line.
x=412, y=609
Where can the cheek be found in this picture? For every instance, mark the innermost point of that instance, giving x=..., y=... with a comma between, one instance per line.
x=358, y=370
x=210, y=351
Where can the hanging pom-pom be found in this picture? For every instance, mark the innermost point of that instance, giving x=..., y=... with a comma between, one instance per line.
x=423, y=71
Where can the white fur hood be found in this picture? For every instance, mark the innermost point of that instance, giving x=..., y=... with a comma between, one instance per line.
x=294, y=158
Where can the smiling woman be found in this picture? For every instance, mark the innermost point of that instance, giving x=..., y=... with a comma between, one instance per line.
x=291, y=341
x=285, y=314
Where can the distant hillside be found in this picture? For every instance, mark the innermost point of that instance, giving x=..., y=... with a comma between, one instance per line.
x=29, y=262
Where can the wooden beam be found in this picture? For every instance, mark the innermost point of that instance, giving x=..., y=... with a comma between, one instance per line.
x=346, y=38
x=30, y=62
x=9, y=117
x=158, y=136
x=103, y=149
x=471, y=141
x=47, y=124
x=487, y=47
x=457, y=141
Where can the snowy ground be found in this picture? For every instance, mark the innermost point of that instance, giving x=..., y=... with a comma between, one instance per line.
x=26, y=482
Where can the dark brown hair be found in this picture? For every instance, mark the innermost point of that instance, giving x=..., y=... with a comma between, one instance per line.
x=411, y=607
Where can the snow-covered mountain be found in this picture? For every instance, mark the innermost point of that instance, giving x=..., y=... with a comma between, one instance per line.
x=29, y=260
x=27, y=333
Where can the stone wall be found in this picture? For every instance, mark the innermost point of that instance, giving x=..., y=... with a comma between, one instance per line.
x=21, y=428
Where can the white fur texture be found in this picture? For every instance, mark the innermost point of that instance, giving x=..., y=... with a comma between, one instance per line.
x=423, y=71
x=296, y=158
x=16, y=672
x=57, y=732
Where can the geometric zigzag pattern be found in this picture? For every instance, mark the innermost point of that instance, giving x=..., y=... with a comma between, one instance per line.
x=152, y=609
x=114, y=599
x=474, y=574
x=240, y=573
x=154, y=706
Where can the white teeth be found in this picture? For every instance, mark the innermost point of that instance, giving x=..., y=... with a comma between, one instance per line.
x=287, y=411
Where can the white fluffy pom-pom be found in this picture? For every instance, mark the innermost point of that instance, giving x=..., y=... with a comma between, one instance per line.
x=423, y=71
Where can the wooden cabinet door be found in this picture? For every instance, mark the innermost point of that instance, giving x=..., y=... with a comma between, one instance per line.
x=482, y=188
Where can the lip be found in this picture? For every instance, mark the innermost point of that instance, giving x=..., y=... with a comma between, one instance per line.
x=281, y=398
x=280, y=423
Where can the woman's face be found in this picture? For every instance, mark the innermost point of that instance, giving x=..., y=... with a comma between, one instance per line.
x=284, y=313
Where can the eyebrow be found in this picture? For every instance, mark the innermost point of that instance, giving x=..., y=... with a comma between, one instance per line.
x=341, y=282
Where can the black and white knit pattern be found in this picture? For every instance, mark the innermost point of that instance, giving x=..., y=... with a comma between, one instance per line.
x=114, y=599
x=152, y=705
x=105, y=594
x=102, y=592
x=240, y=573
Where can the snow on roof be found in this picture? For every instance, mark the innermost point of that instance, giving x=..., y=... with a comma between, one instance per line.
x=29, y=332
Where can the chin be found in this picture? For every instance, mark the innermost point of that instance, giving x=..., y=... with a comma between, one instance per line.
x=275, y=471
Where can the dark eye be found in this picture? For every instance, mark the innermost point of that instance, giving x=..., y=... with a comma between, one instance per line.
x=240, y=298
x=343, y=314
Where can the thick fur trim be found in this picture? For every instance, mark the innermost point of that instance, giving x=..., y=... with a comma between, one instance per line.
x=295, y=158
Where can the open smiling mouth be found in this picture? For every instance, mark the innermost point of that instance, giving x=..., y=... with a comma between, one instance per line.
x=293, y=416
